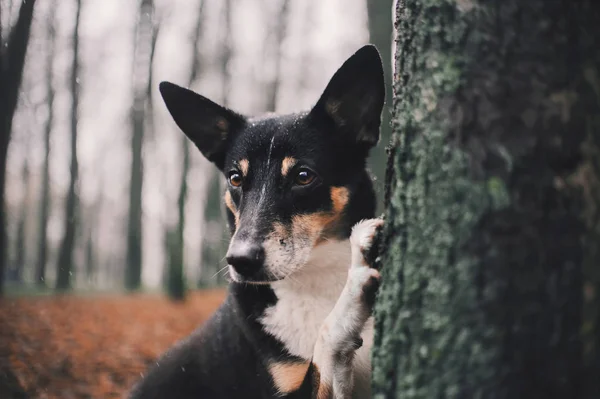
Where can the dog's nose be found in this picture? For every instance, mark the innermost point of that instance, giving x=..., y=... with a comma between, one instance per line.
x=245, y=257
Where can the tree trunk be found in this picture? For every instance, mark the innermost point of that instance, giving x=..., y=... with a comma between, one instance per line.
x=90, y=259
x=21, y=242
x=145, y=41
x=65, y=267
x=380, y=34
x=176, y=279
x=40, y=271
x=12, y=62
x=216, y=235
x=279, y=32
x=484, y=241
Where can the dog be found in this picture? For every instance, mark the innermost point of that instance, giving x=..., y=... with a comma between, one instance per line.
x=297, y=320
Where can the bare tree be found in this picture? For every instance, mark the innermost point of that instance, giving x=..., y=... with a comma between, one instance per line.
x=215, y=231
x=40, y=271
x=12, y=61
x=16, y=270
x=64, y=266
x=278, y=33
x=380, y=34
x=176, y=264
x=145, y=43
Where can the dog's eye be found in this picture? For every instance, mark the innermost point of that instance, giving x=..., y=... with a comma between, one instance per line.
x=305, y=177
x=235, y=179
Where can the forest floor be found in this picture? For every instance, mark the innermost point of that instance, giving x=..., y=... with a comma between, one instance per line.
x=76, y=347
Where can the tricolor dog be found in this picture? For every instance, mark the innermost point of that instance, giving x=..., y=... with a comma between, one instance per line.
x=296, y=322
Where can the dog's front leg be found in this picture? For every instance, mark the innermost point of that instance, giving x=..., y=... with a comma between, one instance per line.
x=340, y=335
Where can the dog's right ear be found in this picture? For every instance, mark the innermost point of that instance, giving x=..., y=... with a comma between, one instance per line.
x=206, y=123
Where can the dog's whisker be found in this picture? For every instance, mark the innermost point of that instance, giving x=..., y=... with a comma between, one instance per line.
x=219, y=271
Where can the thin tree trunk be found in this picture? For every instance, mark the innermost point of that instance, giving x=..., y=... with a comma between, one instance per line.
x=176, y=275
x=380, y=34
x=226, y=52
x=12, y=61
x=484, y=241
x=90, y=258
x=65, y=258
x=305, y=59
x=145, y=40
x=40, y=271
x=176, y=278
x=279, y=32
x=21, y=242
x=215, y=226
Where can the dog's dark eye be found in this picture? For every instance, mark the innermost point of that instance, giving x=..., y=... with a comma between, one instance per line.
x=304, y=177
x=235, y=179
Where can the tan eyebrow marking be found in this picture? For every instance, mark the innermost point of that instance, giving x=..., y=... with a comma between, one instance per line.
x=287, y=164
x=244, y=166
x=229, y=203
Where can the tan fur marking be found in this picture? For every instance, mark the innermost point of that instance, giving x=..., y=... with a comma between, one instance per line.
x=288, y=376
x=244, y=166
x=325, y=391
x=286, y=165
x=229, y=203
x=321, y=390
x=313, y=225
x=339, y=198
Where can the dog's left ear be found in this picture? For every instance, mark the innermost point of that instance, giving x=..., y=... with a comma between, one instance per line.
x=207, y=124
x=354, y=97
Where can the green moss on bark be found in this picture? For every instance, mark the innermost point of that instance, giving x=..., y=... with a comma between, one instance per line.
x=484, y=240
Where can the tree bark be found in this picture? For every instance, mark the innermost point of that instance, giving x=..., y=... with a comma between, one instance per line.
x=145, y=42
x=12, y=62
x=380, y=34
x=42, y=259
x=484, y=241
x=64, y=268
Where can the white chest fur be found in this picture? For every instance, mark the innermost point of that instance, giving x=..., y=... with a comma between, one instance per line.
x=306, y=298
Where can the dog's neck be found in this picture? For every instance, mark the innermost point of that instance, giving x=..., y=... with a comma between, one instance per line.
x=305, y=298
x=324, y=273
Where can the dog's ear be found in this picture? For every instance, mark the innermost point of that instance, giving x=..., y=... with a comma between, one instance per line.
x=206, y=123
x=354, y=97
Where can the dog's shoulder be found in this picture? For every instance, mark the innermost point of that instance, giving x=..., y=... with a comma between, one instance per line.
x=208, y=363
x=227, y=357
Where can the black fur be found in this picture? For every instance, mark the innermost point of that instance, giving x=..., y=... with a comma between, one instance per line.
x=228, y=356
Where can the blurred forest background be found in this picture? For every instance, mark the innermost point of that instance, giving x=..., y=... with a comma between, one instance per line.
x=102, y=191
x=103, y=196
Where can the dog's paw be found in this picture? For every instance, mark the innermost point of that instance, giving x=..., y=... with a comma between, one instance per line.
x=361, y=240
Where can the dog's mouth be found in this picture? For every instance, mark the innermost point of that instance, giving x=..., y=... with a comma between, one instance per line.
x=259, y=278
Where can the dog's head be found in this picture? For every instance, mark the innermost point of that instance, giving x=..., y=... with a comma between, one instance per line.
x=294, y=181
